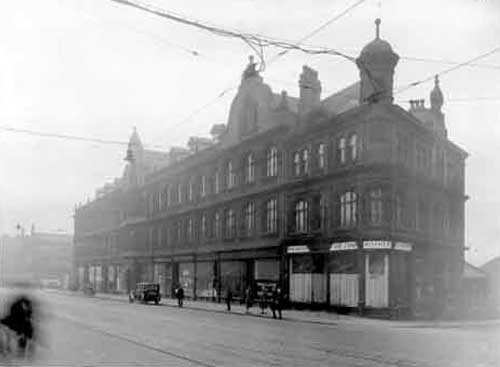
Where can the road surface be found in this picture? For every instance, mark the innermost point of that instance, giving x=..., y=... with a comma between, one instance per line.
x=81, y=331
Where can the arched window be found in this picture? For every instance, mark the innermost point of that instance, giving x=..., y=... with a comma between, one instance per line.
x=302, y=216
x=376, y=208
x=353, y=147
x=272, y=162
x=250, y=169
x=348, y=209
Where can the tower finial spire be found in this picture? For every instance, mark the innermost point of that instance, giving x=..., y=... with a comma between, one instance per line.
x=377, y=28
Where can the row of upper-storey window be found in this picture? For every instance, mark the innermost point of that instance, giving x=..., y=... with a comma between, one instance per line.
x=373, y=207
x=429, y=160
x=347, y=151
x=217, y=224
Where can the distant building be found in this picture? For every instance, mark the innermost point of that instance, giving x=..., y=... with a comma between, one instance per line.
x=492, y=268
x=348, y=201
x=36, y=257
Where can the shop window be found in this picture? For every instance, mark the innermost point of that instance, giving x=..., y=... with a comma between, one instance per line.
x=376, y=211
x=377, y=264
x=348, y=209
x=249, y=169
x=271, y=216
x=272, y=162
x=308, y=264
x=267, y=270
x=302, y=216
x=343, y=262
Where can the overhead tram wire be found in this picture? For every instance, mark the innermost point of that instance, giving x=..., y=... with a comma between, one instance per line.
x=324, y=25
x=449, y=70
x=69, y=137
x=256, y=46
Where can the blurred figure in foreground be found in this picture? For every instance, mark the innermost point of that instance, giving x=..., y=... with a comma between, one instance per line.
x=17, y=329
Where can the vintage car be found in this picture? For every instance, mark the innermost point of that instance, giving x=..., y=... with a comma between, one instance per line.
x=145, y=292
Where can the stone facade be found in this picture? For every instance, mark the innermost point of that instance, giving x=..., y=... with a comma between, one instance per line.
x=349, y=202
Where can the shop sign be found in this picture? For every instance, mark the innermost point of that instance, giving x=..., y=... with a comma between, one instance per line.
x=377, y=245
x=342, y=246
x=297, y=249
x=403, y=246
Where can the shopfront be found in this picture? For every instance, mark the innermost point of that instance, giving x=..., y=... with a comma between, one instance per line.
x=343, y=268
x=233, y=276
x=186, y=278
x=308, y=275
x=205, y=280
x=373, y=273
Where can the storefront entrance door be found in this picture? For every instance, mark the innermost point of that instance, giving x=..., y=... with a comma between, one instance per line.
x=377, y=279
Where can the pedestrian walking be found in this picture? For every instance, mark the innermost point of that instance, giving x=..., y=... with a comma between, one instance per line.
x=180, y=296
x=229, y=298
x=277, y=302
x=263, y=303
x=248, y=299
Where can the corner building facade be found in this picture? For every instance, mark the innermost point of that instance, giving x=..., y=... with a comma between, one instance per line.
x=348, y=202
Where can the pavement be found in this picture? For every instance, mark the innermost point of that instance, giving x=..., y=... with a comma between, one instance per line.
x=308, y=316
x=106, y=330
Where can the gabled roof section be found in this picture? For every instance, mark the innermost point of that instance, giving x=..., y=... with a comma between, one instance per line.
x=343, y=100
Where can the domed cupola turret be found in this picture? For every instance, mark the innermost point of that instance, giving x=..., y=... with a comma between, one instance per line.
x=436, y=96
x=376, y=65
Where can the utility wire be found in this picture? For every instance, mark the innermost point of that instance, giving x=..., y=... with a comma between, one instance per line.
x=324, y=25
x=449, y=70
x=67, y=136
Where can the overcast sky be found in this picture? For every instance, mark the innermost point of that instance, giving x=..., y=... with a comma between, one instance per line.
x=96, y=68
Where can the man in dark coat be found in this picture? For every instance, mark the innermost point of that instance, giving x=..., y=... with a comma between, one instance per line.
x=229, y=298
x=180, y=296
x=277, y=302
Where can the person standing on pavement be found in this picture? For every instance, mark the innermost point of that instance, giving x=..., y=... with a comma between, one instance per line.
x=277, y=302
x=229, y=298
x=248, y=299
x=180, y=296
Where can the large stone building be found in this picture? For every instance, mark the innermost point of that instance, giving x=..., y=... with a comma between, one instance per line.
x=346, y=201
